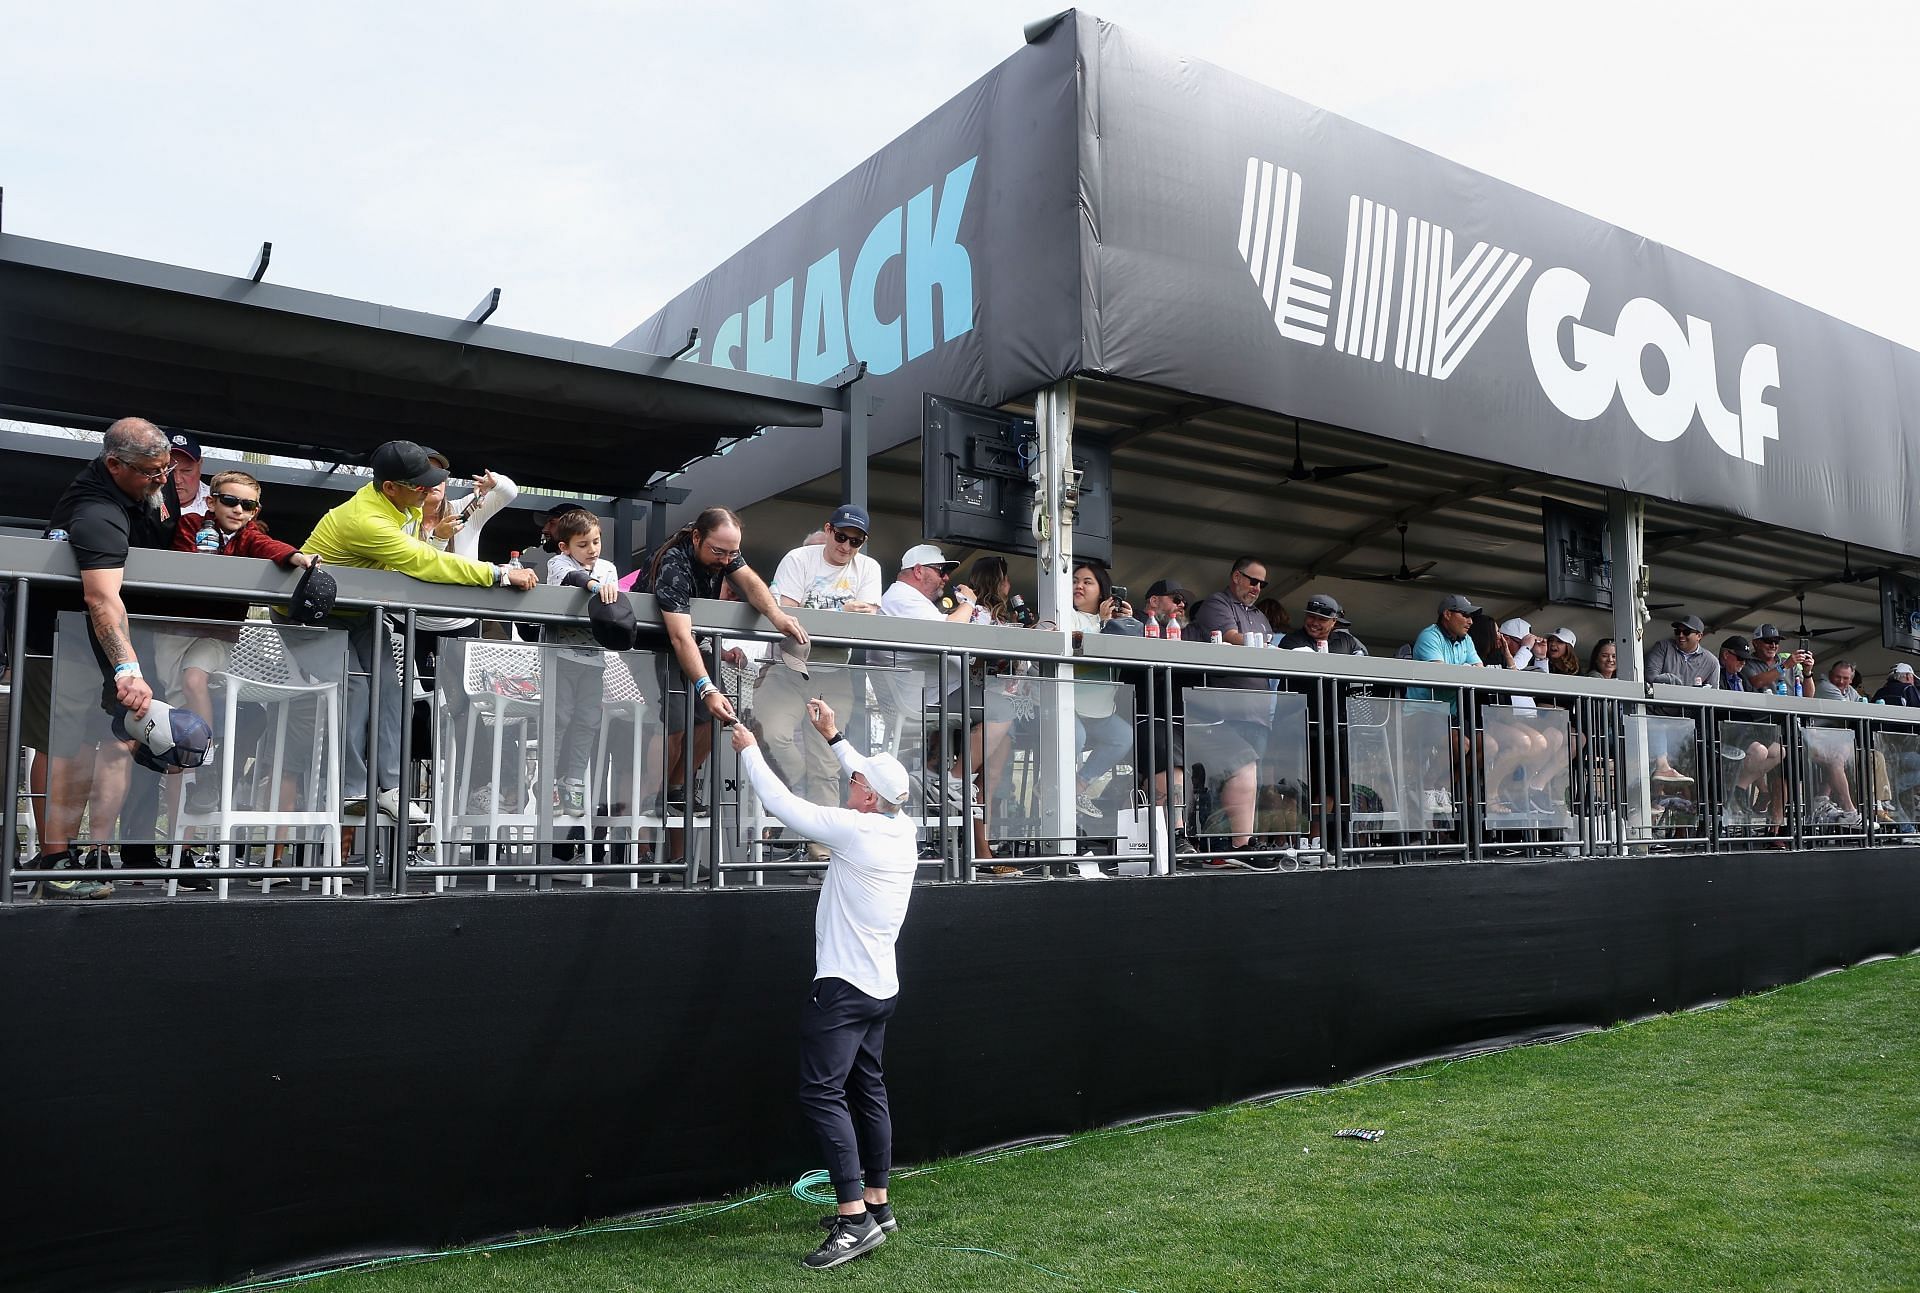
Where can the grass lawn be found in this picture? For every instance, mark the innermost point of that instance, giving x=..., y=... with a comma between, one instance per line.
x=1770, y=1144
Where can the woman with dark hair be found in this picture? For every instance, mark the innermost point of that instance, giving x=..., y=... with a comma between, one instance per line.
x=992, y=584
x=1605, y=660
x=1102, y=733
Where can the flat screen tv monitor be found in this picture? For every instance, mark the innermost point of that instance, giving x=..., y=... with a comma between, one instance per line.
x=1579, y=556
x=974, y=489
x=1900, y=613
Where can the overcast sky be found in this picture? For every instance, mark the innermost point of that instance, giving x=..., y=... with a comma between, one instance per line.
x=593, y=159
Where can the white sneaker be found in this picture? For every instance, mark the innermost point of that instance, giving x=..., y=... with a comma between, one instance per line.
x=1439, y=803
x=390, y=807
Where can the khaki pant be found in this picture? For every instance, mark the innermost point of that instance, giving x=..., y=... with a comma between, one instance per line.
x=797, y=752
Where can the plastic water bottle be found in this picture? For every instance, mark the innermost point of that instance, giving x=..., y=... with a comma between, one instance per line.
x=1150, y=625
x=1780, y=688
x=1173, y=629
x=208, y=540
x=514, y=562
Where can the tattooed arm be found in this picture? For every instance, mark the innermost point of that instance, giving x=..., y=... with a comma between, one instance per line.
x=108, y=616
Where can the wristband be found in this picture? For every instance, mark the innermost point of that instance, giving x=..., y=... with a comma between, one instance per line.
x=701, y=686
x=836, y=738
x=126, y=668
x=499, y=576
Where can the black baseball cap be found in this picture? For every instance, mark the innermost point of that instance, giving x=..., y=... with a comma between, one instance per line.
x=1167, y=588
x=849, y=516
x=1321, y=604
x=313, y=596
x=1739, y=646
x=1768, y=633
x=408, y=463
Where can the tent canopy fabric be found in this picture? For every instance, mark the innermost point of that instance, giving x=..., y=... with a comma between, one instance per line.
x=257, y=366
x=1101, y=208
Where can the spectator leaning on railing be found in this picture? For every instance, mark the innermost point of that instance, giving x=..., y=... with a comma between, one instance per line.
x=1681, y=661
x=370, y=531
x=831, y=576
x=1899, y=688
x=119, y=501
x=694, y=563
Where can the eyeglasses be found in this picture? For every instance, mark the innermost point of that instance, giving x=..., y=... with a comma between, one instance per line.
x=154, y=474
x=851, y=540
x=722, y=554
x=230, y=500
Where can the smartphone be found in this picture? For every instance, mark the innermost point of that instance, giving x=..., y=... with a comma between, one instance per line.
x=1120, y=595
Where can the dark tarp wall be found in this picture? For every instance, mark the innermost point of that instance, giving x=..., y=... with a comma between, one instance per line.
x=947, y=262
x=1142, y=216
x=220, y=1088
x=1364, y=316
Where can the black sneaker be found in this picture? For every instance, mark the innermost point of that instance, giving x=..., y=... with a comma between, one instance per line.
x=882, y=1214
x=847, y=1238
x=77, y=887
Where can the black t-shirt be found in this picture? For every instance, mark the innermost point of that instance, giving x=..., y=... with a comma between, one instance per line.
x=102, y=524
x=681, y=578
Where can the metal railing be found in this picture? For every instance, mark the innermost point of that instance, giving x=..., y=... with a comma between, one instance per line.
x=1232, y=756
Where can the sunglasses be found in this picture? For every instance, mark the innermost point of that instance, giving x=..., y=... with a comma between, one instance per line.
x=1257, y=583
x=229, y=500
x=851, y=540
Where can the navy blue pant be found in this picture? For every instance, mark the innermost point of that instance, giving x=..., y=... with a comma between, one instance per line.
x=842, y=1087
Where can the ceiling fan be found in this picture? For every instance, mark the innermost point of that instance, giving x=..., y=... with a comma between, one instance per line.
x=1804, y=633
x=1406, y=574
x=1300, y=470
x=1847, y=574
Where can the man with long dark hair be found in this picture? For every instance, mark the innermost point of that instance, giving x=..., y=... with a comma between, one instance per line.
x=694, y=563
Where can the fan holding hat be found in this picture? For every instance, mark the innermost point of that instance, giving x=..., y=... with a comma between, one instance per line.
x=377, y=528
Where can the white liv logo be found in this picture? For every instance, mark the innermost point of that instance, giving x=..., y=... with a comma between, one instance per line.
x=1444, y=306
x=1605, y=362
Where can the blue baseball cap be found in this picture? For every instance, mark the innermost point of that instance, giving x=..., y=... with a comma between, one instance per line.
x=852, y=517
x=181, y=442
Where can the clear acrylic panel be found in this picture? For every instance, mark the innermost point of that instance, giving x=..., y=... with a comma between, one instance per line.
x=1399, y=758
x=1028, y=799
x=247, y=721
x=1662, y=777
x=1830, y=797
x=1896, y=780
x=1527, y=764
x=1751, y=776
x=1246, y=762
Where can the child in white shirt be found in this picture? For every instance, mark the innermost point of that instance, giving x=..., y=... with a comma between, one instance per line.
x=578, y=694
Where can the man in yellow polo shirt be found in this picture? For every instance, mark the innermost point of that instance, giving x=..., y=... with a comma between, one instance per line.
x=375, y=530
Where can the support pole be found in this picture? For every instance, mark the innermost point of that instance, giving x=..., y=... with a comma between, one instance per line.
x=856, y=412
x=1627, y=531
x=1053, y=572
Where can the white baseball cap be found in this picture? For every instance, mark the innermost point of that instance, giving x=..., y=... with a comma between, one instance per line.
x=925, y=554
x=1517, y=628
x=1565, y=634
x=887, y=777
x=1905, y=670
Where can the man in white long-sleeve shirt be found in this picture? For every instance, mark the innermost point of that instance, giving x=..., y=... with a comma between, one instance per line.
x=844, y=1029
